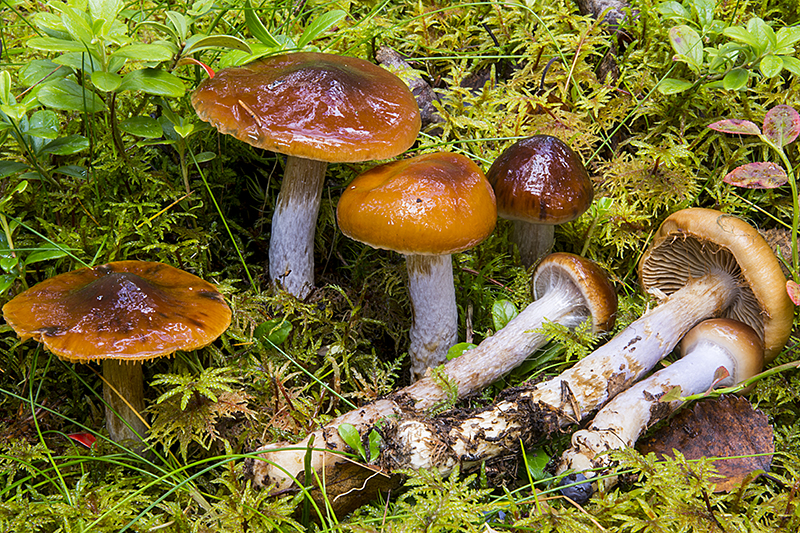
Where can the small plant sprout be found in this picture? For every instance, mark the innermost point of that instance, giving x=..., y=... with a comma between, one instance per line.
x=781, y=127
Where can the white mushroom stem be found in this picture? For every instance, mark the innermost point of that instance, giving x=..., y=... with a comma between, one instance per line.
x=294, y=222
x=562, y=303
x=123, y=393
x=619, y=424
x=434, y=328
x=533, y=240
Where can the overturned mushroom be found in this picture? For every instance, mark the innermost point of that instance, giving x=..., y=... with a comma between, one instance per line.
x=315, y=108
x=712, y=345
x=728, y=268
x=120, y=313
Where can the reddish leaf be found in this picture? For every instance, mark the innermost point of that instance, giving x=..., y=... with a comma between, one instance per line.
x=193, y=61
x=735, y=125
x=763, y=175
x=87, y=439
x=794, y=291
x=782, y=125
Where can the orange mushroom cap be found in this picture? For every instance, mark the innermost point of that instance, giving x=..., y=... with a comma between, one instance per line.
x=317, y=106
x=431, y=204
x=126, y=310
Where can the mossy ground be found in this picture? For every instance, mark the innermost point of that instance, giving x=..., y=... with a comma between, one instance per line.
x=501, y=71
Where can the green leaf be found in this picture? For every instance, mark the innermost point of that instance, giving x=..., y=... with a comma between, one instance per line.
x=687, y=44
x=163, y=28
x=69, y=96
x=787, y=36
x=375, y=442
x=320, y=25
x=180, y=25
x=106, y=10
x=350, y=436
x=781, y=125
x=737, y=33
x=142, y=126
x=770, y=66
x=763, y=34
x=70, y=144
x=106, y=81
x=536, y=460
x=198, y=42
x=5, y=88
x=275, y=330
x=6, y=280
x=792, y=64
x=153, y=81
x=672, y=86
x=257, y=28
x=735, y=79
x=202, y=157
x=673, y=10
x=761, y=175
x=705, y=12
x=73, y=171
x=736, y=126
x=9, y=168
x=77, y=24
x=44, y=255
x=503, y=311
x=144, y=52
x=672, y=394
x=40, y=69
x=459, y=349
x=49, y=44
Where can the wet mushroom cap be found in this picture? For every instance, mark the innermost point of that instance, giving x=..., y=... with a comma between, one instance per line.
x=432, y=204
x=317, y=106
x=592, y=282
x=693, y=242
x=126, y=310
x=736, y=338
x=540, y=180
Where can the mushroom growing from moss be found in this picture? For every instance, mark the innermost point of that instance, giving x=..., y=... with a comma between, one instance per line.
x=122, y=314
x=317, y=109
x=539, y=182
x=426, y=208
x=714, y=344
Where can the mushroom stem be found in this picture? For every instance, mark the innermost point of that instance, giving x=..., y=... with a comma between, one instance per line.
x=496, y=356
x=534, y=241
x=294, y=222
x=434, y=328
x=123, y=393
x=713, y=345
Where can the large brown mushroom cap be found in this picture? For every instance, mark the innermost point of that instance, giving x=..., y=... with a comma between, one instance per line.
x=599, y=296
x=127, y=310
x=311, y=105
x=540, y=180
x=432, y=204
x=694, y=242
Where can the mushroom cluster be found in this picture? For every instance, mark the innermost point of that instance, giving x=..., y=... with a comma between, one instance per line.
x=120, y=314
x=317, y=109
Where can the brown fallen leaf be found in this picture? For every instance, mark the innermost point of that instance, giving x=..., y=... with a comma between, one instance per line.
x=726, y=427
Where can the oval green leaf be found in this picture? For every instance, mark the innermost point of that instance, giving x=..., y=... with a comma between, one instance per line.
x=761, y=175
x=672, y=86
x=735, y=79
x=106, y=81
x=146, y=127
x=69, y=96
x=503, y=311
x=144, y=52
x=687, y=43
x=153, y=81
x=197, y=43
x=770, y=66
x=70, y=144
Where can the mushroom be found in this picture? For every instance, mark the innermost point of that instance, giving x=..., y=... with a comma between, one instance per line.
x=121, y=313
x=568, y=290
x=426, y=208
x=315, y=108
x=711, y=345
x=539, y=182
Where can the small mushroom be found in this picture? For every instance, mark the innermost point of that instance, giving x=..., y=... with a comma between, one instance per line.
x=539, y=182
x=568, y=290
x=120, y=313
x=315, y=108
x=709, y=346
x=426, y=207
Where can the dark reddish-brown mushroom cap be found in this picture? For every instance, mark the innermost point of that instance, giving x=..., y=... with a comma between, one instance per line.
x=540, y=180
x=693, y=242
x=431, y=204
x=317, y=106
x=127, y=310
x=599, y=296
